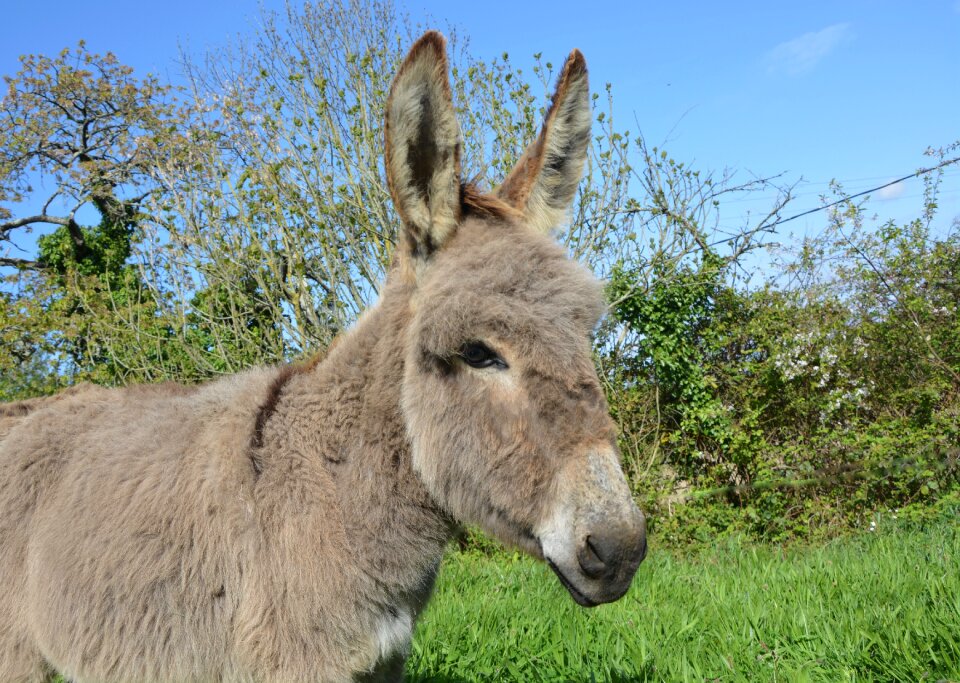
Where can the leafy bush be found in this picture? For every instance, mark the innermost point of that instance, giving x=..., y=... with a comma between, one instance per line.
x=806, y=403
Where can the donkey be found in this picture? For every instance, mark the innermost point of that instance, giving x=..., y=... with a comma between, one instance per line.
x=286, y=524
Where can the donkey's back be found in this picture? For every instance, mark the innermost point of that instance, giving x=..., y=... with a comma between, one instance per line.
x=121, y=512
x=15, y=412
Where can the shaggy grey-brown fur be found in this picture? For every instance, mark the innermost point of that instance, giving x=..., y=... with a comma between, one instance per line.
x=287, y=524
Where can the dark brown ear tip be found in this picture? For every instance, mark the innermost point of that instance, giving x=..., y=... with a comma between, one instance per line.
x=431, y=47
x=576, y=63
x=431, y=40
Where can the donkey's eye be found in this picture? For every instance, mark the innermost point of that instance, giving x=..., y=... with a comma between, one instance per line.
x=479, y=355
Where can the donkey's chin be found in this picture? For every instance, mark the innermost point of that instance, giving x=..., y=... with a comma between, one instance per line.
x=587, y=592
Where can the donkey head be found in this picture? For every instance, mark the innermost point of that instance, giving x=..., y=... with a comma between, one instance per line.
x=507, y=420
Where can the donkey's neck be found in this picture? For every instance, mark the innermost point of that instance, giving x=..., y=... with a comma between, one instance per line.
x=341, y=420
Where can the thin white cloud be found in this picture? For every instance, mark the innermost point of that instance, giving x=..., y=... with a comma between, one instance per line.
x=891, y=192
x=802, y=54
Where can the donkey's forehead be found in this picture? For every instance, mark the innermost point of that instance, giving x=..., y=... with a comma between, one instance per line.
x=500, y=261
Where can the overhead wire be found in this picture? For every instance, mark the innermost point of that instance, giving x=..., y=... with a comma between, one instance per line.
x=847, y=198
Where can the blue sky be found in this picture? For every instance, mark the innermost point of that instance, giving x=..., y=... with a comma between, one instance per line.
x=819, y=90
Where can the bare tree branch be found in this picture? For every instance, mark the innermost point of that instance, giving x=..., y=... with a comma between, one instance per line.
x=7, y=227
x=22, y=264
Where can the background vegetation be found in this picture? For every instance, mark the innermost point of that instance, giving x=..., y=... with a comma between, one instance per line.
x=243, y=219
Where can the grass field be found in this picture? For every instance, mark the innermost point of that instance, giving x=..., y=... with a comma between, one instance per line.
x=881, y=606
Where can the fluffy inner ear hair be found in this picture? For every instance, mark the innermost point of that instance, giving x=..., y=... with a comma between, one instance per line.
x=544, y=181
x=423, y=150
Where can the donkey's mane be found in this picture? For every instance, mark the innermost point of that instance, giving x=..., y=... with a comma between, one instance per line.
x=475, y=202
x=269, y=404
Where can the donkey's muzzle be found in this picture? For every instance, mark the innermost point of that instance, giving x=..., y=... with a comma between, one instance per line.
x=606, y=562
x=604, y=556
x=594, y=537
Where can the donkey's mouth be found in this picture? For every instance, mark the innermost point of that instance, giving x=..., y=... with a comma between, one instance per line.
x=577, y=596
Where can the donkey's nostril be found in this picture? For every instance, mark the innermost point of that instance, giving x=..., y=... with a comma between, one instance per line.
x=591, y=558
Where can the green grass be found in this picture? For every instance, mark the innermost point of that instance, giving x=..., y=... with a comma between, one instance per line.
x=882, y=606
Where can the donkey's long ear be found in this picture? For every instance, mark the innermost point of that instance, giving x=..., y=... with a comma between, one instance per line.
x=423, y=150
x=543, y=182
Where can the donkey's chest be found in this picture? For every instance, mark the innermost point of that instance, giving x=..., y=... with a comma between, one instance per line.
x=390, y=637
x=393, y=617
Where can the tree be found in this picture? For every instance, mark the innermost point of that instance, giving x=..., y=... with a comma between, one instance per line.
x=83, y=127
